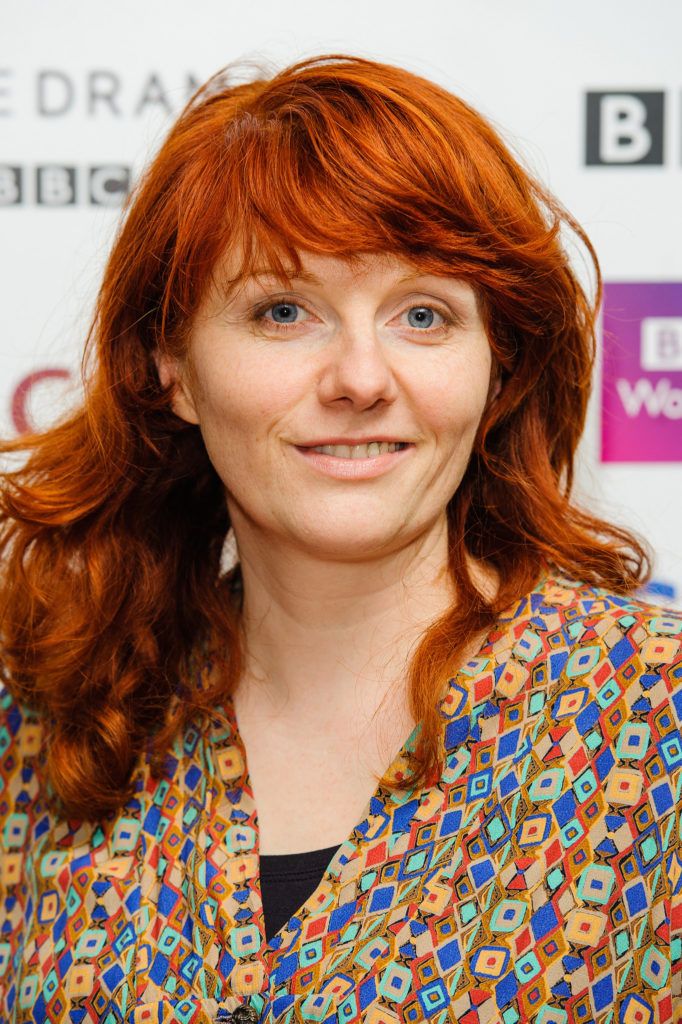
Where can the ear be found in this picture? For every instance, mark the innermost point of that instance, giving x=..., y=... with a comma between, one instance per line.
x=171, y=375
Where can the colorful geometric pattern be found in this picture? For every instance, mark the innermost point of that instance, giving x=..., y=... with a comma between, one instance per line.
x=540, y=879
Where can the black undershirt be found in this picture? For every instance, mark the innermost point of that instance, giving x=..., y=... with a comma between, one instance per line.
x=287, y=880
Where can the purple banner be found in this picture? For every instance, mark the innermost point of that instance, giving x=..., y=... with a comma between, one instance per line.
x=642, y=372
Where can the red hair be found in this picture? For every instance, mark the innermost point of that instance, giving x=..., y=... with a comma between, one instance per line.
x=108, y=589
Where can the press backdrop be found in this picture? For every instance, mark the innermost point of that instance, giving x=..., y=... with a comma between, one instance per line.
x=587, y=94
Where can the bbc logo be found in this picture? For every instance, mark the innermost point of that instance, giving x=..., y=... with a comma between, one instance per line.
x=57, y=185
x=661, y=343
x=624, y=129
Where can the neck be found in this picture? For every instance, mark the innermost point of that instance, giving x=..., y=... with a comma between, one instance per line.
x=321, y=635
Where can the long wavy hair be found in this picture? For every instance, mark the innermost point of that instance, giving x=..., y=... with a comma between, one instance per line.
x=111, y=529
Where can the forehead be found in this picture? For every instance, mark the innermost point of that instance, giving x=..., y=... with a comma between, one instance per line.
x=238, y=269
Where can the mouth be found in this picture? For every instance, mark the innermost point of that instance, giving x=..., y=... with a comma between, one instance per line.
x=346, y=463
x=370, y=450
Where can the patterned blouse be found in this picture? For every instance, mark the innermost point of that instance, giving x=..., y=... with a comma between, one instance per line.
x=539, y=879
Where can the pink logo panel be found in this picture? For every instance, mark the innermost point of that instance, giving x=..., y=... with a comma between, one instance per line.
x=642, y=372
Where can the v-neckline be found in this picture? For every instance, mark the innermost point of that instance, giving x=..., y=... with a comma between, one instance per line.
x=344, y=849
x=348, y=847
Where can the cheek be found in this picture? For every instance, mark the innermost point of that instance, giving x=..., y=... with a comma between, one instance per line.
x=242, y=405
x=456, y=398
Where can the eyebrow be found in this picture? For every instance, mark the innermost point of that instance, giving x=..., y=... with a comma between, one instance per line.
x=270, y=272
x=312, y=279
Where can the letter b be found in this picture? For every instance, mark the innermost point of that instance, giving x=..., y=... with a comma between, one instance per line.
x=10, y=185
x=55, y=185
x=624, y=128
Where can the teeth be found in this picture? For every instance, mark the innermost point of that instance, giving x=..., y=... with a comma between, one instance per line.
x=359, y=451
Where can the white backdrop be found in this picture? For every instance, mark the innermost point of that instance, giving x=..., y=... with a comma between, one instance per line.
x=87, y=90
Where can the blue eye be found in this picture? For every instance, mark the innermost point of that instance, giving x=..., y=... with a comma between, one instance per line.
x=289, y=315
x=420, y=316
x=283, y=314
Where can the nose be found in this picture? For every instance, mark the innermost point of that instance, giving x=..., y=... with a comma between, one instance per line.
x=357, y=365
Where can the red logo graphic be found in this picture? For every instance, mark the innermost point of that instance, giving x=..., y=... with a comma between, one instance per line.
x=22, y=393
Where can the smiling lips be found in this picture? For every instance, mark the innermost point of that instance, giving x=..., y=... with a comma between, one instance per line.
x=358, y=451
x=357, y=462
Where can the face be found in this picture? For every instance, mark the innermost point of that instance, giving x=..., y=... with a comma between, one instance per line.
x=377, y=350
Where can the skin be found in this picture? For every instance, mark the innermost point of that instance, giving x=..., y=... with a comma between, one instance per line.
x=341, y=577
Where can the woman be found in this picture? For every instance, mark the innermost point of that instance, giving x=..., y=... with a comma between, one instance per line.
x=337, y=328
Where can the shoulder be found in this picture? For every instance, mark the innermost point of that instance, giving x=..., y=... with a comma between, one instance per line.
x=572, y=599
x=585, y=669
x=594, y=631
x=601, y=675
